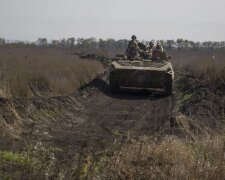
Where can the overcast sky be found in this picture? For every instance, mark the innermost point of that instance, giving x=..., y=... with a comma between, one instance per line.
x=198, y=20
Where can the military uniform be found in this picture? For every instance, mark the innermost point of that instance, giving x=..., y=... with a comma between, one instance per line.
x=149, y=49
x=159, y=53
x=133, y=49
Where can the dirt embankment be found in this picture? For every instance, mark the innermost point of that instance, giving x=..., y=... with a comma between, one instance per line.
x=94, y=121
x=200, y=101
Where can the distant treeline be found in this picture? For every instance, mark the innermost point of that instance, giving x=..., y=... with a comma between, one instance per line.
x=112, y=44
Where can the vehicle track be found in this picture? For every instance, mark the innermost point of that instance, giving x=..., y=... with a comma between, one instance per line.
x=89, y=121
x=120, y=116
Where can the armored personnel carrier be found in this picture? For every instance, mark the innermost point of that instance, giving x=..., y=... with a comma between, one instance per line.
x=144, y=74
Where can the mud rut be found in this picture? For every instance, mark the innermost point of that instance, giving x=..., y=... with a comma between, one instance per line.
x=90, y=121
x=93, y=119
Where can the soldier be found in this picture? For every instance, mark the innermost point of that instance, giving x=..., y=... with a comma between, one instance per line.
x=150, y=49
x=133, y=49
x=159, y=53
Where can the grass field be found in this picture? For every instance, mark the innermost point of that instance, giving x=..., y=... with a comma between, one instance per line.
x=27, y=72
x=200, y=64
x=190, y=150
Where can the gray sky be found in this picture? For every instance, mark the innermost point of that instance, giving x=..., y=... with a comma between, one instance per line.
x=198, y=20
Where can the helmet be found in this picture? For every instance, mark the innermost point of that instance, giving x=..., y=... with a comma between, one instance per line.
x=133, y=37
x=151, y=43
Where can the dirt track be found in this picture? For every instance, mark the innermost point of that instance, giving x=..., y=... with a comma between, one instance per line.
x=89, y=121
x=95, y=122
x=125, y=114
x=94, y=118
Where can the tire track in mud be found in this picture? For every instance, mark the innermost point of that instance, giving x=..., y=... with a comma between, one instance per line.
x=111, y=117
x=119, y=119
x=88, y=121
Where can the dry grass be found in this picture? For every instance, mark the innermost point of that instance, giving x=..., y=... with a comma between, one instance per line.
x=26, y=72
x=33, y=71
x=169, y=158
x=201, y=65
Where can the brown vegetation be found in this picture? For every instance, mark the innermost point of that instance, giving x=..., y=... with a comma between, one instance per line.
x=27, y=72
x=96, y=135
x=169, y=158
x=204, y=64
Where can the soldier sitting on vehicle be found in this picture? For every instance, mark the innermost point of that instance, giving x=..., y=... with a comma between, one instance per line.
x=150, y=49
x=159, y=53
x=133, y=49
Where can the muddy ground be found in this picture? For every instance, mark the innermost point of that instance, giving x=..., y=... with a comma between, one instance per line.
x=91, y=119
x=95, y=121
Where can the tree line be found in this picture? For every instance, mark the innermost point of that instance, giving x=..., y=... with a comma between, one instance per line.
x=112, y=44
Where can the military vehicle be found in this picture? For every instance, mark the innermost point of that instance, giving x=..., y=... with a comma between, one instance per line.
x=145, y=74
